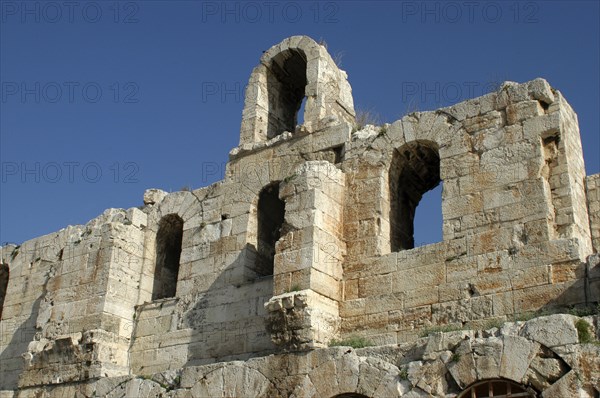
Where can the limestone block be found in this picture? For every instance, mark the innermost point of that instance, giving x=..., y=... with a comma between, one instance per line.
x=463, y=370
x=299, y=320
x=502, y=304
x=421, y=297
x=324, y=379
x=452, y=312
x=325, y=284
x=532, y=276
x=241, y=380
x=516, y=356
x=304, y=389
x=583, y=359
x=137, y=217
x=439, y=342
x=552, y=331
x=568, y=386
x=543, y=372
x=487, y=355
x=462, y=205
x=431, y=377
x=210, y=385
x=540, y=90
x=490, y=120
x=140, y=388
x=373, y=375
x=392, y=386
x=154, y=196
x=429, y=275
x=523, y=110
x=411, y=318
x=541, y=126
x=516, y=92
x=416, y=393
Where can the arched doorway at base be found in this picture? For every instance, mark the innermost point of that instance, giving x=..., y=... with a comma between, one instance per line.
x=497, y=388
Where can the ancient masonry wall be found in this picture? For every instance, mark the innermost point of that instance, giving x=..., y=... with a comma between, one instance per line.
x=240, y=286
x=593, y=195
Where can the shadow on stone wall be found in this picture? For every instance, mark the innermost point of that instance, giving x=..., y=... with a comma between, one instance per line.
x=228, y=320
x=581, y=294
x=12, y=360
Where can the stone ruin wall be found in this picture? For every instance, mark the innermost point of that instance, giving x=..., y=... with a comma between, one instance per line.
x=91, y=307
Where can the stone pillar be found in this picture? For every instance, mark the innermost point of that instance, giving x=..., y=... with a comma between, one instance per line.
x=558, y=131
x=308, y=261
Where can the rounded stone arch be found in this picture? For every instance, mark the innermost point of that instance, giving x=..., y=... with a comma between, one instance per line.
x=512, y=359
x=182, y=203
x=288, y=72
x=339, y=376
x=435, y=128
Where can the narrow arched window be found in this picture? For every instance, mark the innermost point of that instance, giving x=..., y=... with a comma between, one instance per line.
x=3, y=285
x=286, y=85
x=168, y=252
x=270, y=216
x=415, y=170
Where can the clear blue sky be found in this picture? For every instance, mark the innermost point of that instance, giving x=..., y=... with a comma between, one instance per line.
x=104, y=99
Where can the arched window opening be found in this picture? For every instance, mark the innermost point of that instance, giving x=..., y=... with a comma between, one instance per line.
x=168, y=252
x=3, y=285
x=270, y=216
x=415, y=170
x=497, y=389
x=286, y=90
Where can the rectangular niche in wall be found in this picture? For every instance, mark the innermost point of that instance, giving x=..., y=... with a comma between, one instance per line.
x=168, y=252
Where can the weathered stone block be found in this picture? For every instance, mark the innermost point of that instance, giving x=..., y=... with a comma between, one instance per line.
x=552, y=331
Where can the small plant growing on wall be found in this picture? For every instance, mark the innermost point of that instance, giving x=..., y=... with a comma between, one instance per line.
x=583, y=331
x=364, y=117
x=295, y=288
x=403, y=375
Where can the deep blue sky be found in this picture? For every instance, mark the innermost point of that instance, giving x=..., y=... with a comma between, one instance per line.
x=103, y=99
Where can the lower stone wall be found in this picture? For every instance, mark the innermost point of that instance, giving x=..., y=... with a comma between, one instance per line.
x=392, y=298
x=546, y=355
x=218, y=325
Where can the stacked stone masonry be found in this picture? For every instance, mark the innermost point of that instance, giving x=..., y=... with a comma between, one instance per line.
x=238, y=288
